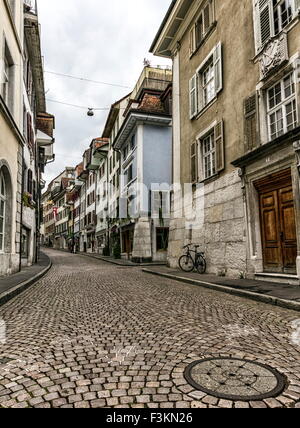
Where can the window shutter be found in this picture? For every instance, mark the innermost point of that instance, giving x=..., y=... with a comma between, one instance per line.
x=192, y=40
x=264, y=10
x=220, y=149
x=297, y=6
x=218, y=68
x=250, y=112
x=194, y=162
x=193, y=96
x=206, y=18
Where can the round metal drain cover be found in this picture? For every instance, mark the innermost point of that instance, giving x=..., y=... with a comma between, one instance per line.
x=235, y=379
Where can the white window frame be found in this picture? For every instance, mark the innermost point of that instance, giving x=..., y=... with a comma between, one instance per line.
x=3, y=199
x=266, y=7
x=281, y=106
x=210, y=155
x=278, y=7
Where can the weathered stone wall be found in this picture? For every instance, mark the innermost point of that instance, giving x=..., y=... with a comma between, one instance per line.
x=222, y=233
x=142, y=241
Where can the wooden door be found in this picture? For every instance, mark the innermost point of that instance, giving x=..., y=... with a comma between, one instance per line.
x=278, y=225
x=271, y=232
x=288, y=229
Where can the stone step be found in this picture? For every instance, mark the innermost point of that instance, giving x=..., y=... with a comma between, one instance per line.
x=281, y=278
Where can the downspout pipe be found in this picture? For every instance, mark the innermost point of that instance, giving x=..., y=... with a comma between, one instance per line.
x=22, y=207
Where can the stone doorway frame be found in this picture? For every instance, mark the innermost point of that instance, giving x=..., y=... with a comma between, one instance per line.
x=253, y=173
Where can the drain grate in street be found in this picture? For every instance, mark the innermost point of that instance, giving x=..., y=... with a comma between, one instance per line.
x=235, y=379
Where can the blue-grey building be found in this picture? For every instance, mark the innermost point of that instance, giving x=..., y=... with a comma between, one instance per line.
x=145, y=145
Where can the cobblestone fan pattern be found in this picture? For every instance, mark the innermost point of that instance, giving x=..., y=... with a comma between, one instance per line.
x=91, y=334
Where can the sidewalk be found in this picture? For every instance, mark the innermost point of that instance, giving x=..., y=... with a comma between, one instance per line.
x=283, y=295
x=11, y=286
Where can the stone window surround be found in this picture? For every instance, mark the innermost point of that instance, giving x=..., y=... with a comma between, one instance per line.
x=260, y=47
x=282, y=105
x=5, y=170
x=262, y=90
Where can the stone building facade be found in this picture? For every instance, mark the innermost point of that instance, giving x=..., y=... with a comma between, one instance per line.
x=22, y=98
x=224, y=142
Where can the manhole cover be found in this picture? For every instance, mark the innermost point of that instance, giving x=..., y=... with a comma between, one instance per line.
x=235, y=379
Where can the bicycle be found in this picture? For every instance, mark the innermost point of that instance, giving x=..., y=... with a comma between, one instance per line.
x=187, y=263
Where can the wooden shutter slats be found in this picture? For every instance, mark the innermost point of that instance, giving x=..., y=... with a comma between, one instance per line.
x=194, y=162
x=220, y=149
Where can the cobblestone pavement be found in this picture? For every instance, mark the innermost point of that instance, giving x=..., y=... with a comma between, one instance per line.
x=90, y=334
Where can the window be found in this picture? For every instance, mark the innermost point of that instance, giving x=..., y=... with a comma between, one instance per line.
x=162, y=238
x=272, y=16
x=210, y=148
x=129, y=174
x=132, y=143
x=202, y=25
x=125, y=153
x=207, y=82
x=282, y=110
x=209, y=155
x=2, y=211
x=160, y=204
x=29, y=182
x=282, y=13
x=7, y=79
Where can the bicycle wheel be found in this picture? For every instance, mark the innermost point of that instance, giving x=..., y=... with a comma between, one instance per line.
x=201, y=265
x=186, y=263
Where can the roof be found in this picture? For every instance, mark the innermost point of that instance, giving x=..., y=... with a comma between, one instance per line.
x=169, y=31
x=113, y=113
x=151, y=103
x=100, y=142
x=170, y=10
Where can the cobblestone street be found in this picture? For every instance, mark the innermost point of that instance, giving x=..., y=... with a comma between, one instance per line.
x=91, y=334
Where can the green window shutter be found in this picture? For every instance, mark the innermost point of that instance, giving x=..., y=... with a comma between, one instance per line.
x=250, y=120
x=218, y=68
x=193, y=97
x=220, y=147
x=194, y=162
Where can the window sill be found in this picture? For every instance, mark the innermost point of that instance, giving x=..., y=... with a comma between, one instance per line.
x=206, y=37
x=201, y=112
x=210, y=179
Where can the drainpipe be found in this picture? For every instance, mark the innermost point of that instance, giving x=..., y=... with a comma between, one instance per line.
x=21, y=215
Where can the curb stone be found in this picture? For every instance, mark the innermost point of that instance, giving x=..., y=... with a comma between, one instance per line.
x=18, y=289
x=264, y=298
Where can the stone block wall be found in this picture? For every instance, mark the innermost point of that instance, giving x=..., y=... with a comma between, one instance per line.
x=221, y=233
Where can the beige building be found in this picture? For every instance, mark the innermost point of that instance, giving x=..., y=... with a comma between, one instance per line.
x=24, y=147
x=12, y=141
x=235, y=133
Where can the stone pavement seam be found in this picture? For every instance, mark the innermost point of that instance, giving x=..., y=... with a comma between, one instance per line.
x=275, y=301
x=23, y=286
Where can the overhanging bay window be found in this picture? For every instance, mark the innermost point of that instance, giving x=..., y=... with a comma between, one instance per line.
x=282, y=107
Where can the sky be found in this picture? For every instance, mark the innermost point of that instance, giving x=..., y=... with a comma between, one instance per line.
x=100, y=40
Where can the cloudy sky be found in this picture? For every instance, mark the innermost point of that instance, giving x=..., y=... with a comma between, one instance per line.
x=100, y=40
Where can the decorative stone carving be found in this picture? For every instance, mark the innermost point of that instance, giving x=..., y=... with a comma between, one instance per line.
x=274, y=54
x=297, y=151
